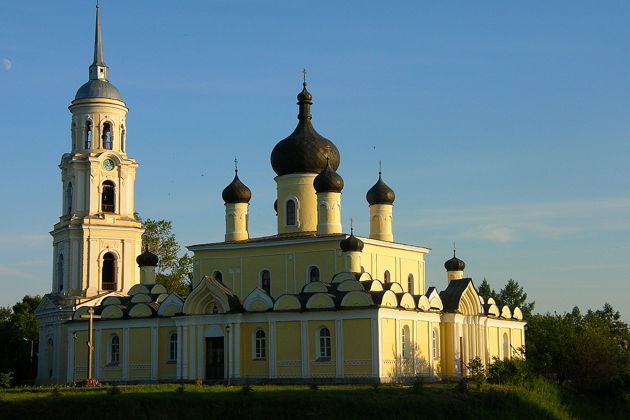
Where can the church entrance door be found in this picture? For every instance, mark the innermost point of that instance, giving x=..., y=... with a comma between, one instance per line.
x=214, y=358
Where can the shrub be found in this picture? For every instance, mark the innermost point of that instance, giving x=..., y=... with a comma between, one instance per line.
x=417, y=385
x=477, y=372
x=180, y=389
x=462, y=385
x=6, y=378
x=113, y=390
x=246, y=389
x=514, y=371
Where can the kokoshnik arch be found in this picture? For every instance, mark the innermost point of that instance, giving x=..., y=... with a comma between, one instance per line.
x=308, y=302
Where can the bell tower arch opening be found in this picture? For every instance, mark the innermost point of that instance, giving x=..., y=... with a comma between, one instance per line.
x=109, y=272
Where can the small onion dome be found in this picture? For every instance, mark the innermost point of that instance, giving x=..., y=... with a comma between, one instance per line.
x=380, y=193
x=305, y=150
x=147, y=259
x=351, y=244
x=236, y=192
x=328, y=181
x=454, y=264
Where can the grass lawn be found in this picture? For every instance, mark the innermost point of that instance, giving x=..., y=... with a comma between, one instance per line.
x=173, y=401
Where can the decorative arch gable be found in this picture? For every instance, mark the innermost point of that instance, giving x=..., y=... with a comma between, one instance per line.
x=394, y=287
x=423, y=303
x=112, y=312
x=320, y=301
x=505, y=312
x=157, y=289
x=170, y=305
x=343, y=276
x=492, y=310
x=315, y=287
x=372, y=285
x=356, y=299
x=140, y=310
x=141, y=298
x=110, y=300
x=469, y=301
x=349, y=285
x=139, y=288
x=287, y=303
x=365, y=277
x=81, y=311
x=389, y=299
x=407, y=302
x=517, y=314
x=207, y=298
x=258, y=301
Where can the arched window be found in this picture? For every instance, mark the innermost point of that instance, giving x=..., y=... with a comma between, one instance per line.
x=107, y=137
x=218, y=276
x=362, y=269
x=123, y=137
x=69, y=198
x=114, y=350
x=60, y=273
x=290, y=213
x=313, y=274
x=109, y=272
x=406, y=342
x=265, y=281
x=506, y=347
x=324, y=344
x=88, y=134
x=386, y=276
x=435, y=343
x=260, y=351
x=410, y=283
x=172, y=347
x=108, y=197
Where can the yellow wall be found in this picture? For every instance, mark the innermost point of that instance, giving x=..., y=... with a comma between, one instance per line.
x=288, y=349
x=166, y=369
x=107, y=370
x=357, y=346
x=389, y=348
x=139, y=353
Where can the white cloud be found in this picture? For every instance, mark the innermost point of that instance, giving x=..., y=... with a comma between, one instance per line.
x=7, y=64
x=523, y=221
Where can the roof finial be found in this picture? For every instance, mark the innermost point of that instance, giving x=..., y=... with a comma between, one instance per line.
x=304, y=75
x=453, y=249
x=351, y=227
x=235, y=165
x=98, y=69
x=380, y=167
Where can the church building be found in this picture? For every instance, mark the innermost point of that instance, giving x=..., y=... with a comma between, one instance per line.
x=308, y=303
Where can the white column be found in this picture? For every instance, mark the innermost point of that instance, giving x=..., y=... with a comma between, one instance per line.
x=180, y=353
x=304, y=341
x=339, y=347
x=154, y=353
x=184, y=352
x=200, y=372
x=125, y=370
x=272, y=349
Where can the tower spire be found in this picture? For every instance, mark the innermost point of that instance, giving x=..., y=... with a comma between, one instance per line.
x=98, y=69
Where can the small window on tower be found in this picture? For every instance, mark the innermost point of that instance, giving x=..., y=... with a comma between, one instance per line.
x=60, y=273
x=410, y=283
x=265, y=281
x=218, y=276
x=107, y=136
x=109, y=272
x=313, y=274
x=108, y=199
x=123, y=138
x=290, y=214
x=88, y=134
x=69, y=198
x=386, y=277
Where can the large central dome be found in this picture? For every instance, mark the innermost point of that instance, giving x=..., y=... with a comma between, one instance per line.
x=305, y=150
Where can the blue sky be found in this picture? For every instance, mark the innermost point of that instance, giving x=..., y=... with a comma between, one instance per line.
x=501, y=125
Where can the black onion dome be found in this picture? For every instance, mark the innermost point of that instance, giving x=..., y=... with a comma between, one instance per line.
x=147, y=259
x=380, y=193
x=454, y=264
x=236, y=192
x=328, y=181
x=351, y=243
x=305, y=150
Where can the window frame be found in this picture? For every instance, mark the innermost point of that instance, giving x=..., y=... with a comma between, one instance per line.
x=109, y=184
x=259, y=344
x=405, y=338
x=324, y=344
x=411, y=283
x=435, y=343
x=218, y=278
x=261, y=281
x=309, y=275
x=294, y=212
x=113, y=350
x=172, y=347
x=387, y=277
x=107, y=141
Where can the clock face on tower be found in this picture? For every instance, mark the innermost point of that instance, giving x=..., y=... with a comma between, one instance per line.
x=108, y=164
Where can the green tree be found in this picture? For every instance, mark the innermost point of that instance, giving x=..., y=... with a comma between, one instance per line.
x=587, y=352
x=18, y=335
x=486, y=291
x=173, y=271
x=514, y=295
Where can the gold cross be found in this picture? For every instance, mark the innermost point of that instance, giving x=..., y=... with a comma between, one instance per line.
x=90, y=343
